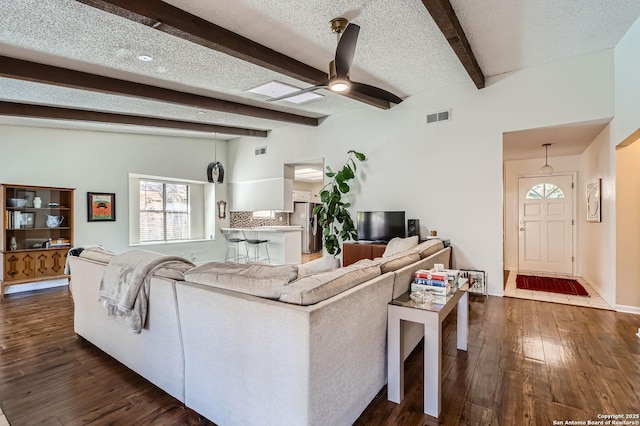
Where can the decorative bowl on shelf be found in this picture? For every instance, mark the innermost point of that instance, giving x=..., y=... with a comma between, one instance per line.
x=18, y=202
x=422, y=297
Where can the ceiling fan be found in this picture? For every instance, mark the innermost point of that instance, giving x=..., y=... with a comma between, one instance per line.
x=339, y=80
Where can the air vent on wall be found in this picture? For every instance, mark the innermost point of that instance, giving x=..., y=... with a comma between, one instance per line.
x=261, y=150
x=439, y=116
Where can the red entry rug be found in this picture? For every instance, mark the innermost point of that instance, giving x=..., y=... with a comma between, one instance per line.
x=553, y=285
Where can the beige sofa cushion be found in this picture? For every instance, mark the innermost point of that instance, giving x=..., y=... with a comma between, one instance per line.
x=316, y=288
x=398, y=245
x=317, y=266
x=397, y=261
x=429, y=247
x=217, y=268
x=255, y=279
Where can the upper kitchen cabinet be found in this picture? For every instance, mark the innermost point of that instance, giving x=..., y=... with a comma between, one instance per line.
x=263, y=194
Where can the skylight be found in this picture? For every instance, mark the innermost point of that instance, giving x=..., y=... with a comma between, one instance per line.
x=308, y=174
x=273, y=89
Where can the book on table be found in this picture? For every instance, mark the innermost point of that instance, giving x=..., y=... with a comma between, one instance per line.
x=431, y=274
x=435, y=290
x=438, y=278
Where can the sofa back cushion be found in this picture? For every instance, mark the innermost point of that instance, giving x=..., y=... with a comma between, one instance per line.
x=398, y=245
x=255, y=279
x=397, y=261
x=429, y=247
x=317, y=266
x=316, y=288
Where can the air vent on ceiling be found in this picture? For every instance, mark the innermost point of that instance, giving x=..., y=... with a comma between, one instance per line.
x=439, y=116
x=261, y=150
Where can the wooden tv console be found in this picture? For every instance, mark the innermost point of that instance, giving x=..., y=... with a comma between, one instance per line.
x=352, y=252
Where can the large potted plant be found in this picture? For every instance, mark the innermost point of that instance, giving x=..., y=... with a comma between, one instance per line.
x=332, y=213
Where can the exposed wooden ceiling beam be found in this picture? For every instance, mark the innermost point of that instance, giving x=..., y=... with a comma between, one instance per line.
x=171, y=20
x=40, y=73
x=56, y=113
x=445, y=17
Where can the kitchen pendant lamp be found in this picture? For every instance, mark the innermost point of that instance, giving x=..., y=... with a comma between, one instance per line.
x=215, y=171
x=546, y=169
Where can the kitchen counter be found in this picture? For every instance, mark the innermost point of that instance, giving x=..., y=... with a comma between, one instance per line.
x=285, y=242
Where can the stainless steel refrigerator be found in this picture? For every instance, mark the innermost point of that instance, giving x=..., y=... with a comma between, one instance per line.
x=311, y=234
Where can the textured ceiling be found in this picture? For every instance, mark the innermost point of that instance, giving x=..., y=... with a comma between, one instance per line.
x=399, y=49
x=569, y=139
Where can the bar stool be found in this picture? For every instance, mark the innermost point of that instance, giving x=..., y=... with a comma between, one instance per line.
x=255, y=243
x=233, y=243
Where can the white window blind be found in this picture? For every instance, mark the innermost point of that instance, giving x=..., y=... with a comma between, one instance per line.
x=164, y=211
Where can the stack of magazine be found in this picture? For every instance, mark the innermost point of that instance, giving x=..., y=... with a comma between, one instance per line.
x=439, y=283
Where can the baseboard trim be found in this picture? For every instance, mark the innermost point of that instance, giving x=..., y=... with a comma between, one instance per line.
x=37, y=285
x=628, y=309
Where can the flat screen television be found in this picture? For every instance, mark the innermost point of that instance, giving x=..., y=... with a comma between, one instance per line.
x=380, y=226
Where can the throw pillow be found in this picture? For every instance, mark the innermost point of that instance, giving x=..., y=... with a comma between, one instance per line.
x=397, y=245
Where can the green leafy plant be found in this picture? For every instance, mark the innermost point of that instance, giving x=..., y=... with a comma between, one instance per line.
x=333, y=214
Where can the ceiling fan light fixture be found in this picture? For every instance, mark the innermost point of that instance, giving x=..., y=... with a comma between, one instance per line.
x=546, y=170
x=339, y=85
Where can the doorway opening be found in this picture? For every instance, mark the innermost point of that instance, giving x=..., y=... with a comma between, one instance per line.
x=308, y=180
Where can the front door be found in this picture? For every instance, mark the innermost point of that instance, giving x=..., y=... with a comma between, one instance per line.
x=545, y=227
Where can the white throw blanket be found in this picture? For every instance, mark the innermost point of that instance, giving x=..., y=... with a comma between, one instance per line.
x=124, y=288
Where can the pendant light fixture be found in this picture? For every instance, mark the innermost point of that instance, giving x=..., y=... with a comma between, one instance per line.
x=546, y=169
x=215, y=171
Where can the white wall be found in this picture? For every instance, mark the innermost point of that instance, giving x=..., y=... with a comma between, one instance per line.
x=449, y=174
x=99, y=161
x=628, y=235
x=516, y=168
x=598, y=241
x=626, y=122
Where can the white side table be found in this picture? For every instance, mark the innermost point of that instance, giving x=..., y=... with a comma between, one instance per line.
x=404, y=309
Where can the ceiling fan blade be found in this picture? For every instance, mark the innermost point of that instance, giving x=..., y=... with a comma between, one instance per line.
x=300, y=92
x=346, y=49
x=375, y=92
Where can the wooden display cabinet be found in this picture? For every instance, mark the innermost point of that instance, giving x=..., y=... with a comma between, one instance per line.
x=32, y=247
x=352, y=252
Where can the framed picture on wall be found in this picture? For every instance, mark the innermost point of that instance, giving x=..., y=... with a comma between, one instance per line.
x=101, y=207
x=593, y=201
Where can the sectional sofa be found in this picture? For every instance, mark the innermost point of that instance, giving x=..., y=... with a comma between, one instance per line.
x=243, y=351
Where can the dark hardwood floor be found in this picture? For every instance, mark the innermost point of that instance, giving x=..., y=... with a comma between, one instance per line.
x=528, y=363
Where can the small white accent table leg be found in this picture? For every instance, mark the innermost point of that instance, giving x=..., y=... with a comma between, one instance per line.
x=403, y=309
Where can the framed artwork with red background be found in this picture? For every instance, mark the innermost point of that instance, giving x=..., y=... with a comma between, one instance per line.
x=101, y=207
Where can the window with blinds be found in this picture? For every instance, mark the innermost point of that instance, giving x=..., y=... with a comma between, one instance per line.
x=164, y=211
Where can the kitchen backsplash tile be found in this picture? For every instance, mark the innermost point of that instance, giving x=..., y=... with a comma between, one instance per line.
x=246, y=220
